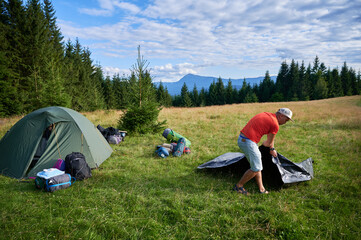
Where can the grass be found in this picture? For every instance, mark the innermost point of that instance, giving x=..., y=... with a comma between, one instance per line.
x=136, y=195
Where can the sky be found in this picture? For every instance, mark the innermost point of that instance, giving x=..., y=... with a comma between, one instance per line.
x=220, y=38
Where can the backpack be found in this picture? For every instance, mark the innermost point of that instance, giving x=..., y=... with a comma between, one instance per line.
x=76, y=166
x=114, y=139
x=60, y=164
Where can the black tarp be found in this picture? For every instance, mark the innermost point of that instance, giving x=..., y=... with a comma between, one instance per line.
x=276, y=171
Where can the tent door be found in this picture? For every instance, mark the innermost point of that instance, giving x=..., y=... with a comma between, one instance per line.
x=41, y=147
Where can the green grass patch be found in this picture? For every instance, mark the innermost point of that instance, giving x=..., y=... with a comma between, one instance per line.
x=137, y=195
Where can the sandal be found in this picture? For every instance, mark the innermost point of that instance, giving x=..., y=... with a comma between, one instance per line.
x=264, y=192
x=240, y=190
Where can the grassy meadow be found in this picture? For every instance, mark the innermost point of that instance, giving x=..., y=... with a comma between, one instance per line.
x=137, y=195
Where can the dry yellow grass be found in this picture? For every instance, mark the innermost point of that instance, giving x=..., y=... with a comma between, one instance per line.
x=335, y=113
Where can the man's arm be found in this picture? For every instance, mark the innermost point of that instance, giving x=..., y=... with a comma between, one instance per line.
x=270, y=143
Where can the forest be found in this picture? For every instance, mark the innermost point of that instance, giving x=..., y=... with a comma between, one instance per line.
x=38, y=68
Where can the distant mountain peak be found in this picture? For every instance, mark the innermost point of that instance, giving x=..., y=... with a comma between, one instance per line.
x=174, y=88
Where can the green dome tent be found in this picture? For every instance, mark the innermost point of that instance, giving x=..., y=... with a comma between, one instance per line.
x=40, y=138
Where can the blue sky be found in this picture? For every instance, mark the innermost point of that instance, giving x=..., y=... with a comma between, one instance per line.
x=219, y=38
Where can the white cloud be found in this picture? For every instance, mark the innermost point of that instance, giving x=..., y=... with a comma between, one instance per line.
x=172, y=73
x=96, y=12
x=111, y=71
x=128, y=6
x=108, y=8
x=244, y=34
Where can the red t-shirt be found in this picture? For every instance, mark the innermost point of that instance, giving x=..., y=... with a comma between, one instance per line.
x=259, y=125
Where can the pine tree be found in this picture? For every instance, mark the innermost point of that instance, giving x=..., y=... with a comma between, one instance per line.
x=167, y=98
x=359, y=83
x=282, y=86
x=243, y=92
x=337, y=86
x=317, y=71
x=302, y=86
x=292, y=82
x=321, y=90
x=186, y=100
x=220, y=92
x=163, y=96
x=143, y=109
x=229, y=93
x=15, y=19
x=203, y=97
x=195, y=97
x=160, y=94
x=109, y=96
x=266, y=88
x=212, y=95
x=346, y=80
x=9, y=104
x=35, y=56
x=354, y=83
x=55, y=93
x=235, y=96
x=120, y=91
x=307, y=81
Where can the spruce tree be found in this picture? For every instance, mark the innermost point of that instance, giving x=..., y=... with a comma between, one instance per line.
x=186, y=100
x=212, y=95
x=292, y=82
x=55, y=92
x=109, y=96
x=346, y=80
x=229, y=93
x=35, y=56
x=243, y=91
x=220, y=92
x=266, y=88
x=282, y=86
x=195, y=97
x=15, y=19
x=321, y=90
x=143, y=109
x=302, y=84
x=337, y=86
x=203, y=97
x=163, y=96
x=9, y=103
x=354, y=83
x=359, y=83
x=308, y=85
x=120, y=91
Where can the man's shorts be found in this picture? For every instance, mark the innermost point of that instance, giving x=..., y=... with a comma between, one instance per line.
x=253, y=155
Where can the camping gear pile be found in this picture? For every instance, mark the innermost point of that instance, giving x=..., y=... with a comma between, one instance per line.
x=53, y=179
x=112, y=135
x=177, y=147
x=42, y=137
x=276, y=172
x=63, y=173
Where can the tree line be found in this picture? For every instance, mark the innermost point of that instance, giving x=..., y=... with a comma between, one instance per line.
x=294, y=82
x=39, y=69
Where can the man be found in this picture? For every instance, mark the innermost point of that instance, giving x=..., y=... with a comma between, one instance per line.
x=262, y=124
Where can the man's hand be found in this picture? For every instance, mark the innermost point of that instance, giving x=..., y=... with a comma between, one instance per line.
x=273, y=153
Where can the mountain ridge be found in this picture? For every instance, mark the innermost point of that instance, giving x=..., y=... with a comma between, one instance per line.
x=174, y=88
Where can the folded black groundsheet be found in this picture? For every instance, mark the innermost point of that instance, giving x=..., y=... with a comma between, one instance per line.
x=276, y=171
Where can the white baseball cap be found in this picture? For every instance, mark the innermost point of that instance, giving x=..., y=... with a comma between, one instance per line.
x=287, y=112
